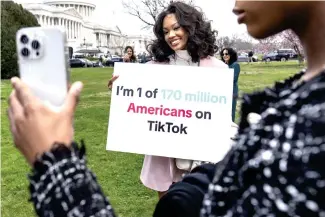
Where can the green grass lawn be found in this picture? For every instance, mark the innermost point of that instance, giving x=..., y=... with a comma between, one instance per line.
x=118, y=173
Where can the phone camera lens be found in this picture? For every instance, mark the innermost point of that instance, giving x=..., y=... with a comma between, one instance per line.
x=35, y=45
x=24, y=39
x=25, y=52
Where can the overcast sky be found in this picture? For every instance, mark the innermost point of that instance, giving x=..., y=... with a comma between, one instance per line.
x=112, y=13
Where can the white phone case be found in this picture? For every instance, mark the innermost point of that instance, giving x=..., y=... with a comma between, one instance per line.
x=43, y=63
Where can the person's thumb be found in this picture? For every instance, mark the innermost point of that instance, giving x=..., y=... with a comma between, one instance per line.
x=72, y=98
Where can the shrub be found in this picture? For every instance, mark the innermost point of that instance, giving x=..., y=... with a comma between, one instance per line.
x=13, y=17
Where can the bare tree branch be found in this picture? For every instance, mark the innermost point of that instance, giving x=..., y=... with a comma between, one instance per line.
x=119, y=42
x=134, y=10
x=147, y=11
x=290, y=39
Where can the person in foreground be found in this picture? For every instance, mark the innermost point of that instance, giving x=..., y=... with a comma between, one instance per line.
x=230, y=57
x=276, y=168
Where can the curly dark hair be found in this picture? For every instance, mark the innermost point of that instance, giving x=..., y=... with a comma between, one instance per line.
x=201, y=39
x=133, y=57
x=232, y=53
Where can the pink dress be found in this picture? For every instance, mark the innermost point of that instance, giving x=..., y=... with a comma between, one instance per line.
x=158, y=173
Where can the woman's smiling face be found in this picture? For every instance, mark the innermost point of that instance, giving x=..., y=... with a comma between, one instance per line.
x=226, y=56
x=175, y=35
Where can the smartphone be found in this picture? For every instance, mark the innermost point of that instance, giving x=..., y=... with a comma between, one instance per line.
x=44, y=63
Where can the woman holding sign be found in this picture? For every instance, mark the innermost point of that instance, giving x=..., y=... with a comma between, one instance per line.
x=185, y=38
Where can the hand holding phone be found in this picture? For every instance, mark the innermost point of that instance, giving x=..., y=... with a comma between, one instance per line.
x=43, y=63
x=36, y=127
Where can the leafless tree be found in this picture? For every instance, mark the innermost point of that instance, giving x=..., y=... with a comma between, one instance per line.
x=285, y=39
x=148, y=10
x=290, y=40
x=267, y=45
x=225, y=41
x=119, y=43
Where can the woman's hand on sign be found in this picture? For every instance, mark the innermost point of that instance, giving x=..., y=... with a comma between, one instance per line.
x=34, y=125
x=110, y=82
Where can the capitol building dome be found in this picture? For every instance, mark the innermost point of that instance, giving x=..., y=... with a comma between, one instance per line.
x=75, y=18
x=84, y=7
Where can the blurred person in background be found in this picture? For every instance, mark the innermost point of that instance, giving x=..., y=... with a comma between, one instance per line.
x=230, y=57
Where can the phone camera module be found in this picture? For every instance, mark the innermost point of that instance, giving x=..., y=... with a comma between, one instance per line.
x=35, y=45
x=25, y=52
x=24, y=39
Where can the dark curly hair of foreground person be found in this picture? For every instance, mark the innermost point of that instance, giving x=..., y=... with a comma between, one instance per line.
x=201, y=39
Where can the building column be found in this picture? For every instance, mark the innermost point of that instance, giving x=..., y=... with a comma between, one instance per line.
x=65, y=27
x=68, y=28
x=78, y=31
x=80, y=26
x=74, y=30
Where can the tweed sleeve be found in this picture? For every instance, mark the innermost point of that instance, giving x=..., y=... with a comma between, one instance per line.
x=62, y=185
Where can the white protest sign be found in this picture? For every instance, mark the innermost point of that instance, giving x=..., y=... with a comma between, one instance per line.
x=171, y=111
